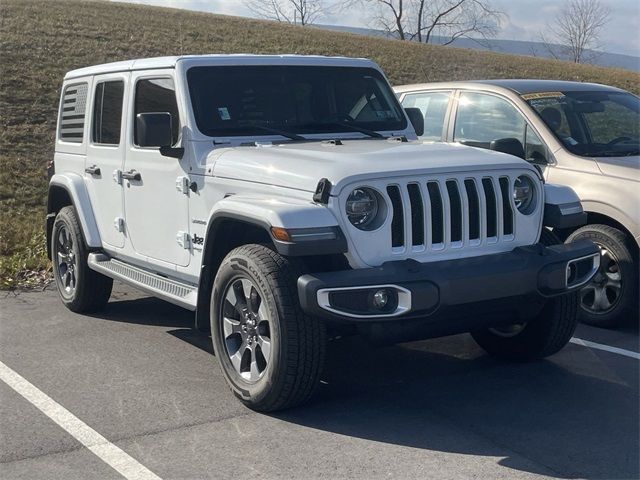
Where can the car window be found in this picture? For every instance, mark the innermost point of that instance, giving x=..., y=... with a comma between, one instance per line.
x=72, y=112
x=433, y=106
x=107, y=112
x=534, y=149
x=591, y=123
x=157, y=95
x=482, y=118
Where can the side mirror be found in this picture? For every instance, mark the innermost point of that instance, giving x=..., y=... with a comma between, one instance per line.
x=512, y=146
x=417, y=119
x=154, y=129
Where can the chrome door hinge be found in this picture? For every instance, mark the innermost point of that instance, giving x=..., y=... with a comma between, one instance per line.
x=118, y=223
x=117, y=176
x=184, y=240
x=182, y=185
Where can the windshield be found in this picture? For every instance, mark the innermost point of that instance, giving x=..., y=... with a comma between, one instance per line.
x=266, y=100
x=591, y=124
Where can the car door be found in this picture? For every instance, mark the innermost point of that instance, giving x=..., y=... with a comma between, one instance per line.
x=156, y=211
x=105, y=155
x=481, y=118
x=434, y=106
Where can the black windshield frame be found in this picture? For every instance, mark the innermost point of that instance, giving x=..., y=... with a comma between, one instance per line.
x=575, y=128
x=240, y=101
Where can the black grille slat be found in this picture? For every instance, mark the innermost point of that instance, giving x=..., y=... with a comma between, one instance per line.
x=417, y=214
x=437, y=213
x=397, y=222
x=474, y=209
x=455, y=206
x=491, y=207
x=507, y=211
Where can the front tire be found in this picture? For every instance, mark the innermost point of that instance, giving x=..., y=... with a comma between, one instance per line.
x=543, y=335
x=81, y=289
x=269, y=351
x=612, y=296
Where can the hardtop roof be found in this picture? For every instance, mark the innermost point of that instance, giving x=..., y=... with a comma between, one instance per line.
x=215, y=59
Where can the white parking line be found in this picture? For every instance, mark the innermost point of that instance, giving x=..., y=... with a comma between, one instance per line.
x=113, y=456
x=606, y=348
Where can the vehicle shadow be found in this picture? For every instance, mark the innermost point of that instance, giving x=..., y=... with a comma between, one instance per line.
x=552, y=417
x=571, y=416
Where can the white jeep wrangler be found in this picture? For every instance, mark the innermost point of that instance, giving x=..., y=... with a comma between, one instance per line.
x=281, y=197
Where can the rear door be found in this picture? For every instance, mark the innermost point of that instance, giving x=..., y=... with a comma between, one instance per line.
x=156, y=211
x=105, y=155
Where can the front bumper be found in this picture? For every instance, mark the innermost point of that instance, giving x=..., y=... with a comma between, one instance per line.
x=418, y=290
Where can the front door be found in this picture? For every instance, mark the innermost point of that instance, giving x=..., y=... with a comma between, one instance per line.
x=105, y=155
x=156, y=212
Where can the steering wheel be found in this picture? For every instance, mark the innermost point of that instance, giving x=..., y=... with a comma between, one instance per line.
x=617, y=140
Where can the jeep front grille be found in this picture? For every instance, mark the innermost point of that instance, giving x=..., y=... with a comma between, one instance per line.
x=442, y=214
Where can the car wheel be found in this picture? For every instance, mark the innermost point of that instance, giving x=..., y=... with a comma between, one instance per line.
x=612, y=295
x=269, y=351
x=81, y=289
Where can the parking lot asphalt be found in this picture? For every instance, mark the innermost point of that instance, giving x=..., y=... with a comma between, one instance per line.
x=140, y=377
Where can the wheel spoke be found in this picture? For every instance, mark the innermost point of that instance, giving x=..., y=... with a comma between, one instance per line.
x=265, y=347
x=231, y=326
x=245, y=288
x=254, y=372
x=600, y=301
x=62, y=258
x=241, y=299
x=236, y=358
x=254, y=300
x=62, y=239
x=263, y=314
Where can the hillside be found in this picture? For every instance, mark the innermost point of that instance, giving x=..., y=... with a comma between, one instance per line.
x=40, y=41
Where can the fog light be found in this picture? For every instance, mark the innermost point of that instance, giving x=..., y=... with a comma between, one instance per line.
x=380, y=299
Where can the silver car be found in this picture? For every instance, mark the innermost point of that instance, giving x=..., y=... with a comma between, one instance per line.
x=583, y=135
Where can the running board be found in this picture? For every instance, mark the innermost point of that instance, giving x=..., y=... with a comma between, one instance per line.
x=178, y=293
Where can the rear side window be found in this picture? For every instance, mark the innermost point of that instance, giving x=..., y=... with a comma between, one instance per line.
x=157, y=95
x=74, y=106
x=107, y=112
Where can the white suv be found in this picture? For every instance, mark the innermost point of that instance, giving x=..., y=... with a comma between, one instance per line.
x=281, y=197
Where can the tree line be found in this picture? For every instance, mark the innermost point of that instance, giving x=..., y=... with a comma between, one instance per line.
x=574, y=31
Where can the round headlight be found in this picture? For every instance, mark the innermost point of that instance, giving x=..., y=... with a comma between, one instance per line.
x=363, y=206
x=524, y=191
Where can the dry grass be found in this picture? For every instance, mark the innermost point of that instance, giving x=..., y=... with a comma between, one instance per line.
x=40, y=41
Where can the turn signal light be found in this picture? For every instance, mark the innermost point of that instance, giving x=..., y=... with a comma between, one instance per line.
x=281, y=234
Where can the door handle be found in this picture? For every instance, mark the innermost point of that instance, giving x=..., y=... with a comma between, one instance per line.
x=132, y=175
x=92, y=170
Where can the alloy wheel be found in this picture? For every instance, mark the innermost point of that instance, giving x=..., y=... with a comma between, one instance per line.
x=246, y=329
x=66, y=261
x=602, y=294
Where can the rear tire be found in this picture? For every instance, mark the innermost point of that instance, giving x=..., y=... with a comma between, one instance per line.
x=545, y=334
x=270, y=352
x=611, y=297
x=81, y=289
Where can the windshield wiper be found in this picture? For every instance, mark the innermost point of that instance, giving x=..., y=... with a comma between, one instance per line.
x=284, y=133
x=366, y=131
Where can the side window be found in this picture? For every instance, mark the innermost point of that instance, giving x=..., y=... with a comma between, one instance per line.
x=433, y=106
x=482, y=118
x=534, y=149
x=157, y=95
x=107, y=112
x=74, y=107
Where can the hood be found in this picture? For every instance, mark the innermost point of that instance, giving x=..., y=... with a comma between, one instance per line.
x=301, y=165
x=621, y=167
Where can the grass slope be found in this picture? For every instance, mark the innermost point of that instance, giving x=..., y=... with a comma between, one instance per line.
x=40, y=41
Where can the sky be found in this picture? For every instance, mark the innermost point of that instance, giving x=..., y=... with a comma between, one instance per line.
x=526, y=19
